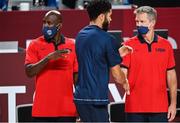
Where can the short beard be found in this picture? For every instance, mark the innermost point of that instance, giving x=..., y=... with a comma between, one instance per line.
x=105, y=25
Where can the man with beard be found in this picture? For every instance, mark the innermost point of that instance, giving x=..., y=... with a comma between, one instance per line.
x=97, y=54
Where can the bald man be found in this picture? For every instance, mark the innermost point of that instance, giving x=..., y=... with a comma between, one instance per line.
x=52, y=60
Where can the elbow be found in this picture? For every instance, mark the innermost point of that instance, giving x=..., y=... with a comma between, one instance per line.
x=29, y=72
x=30, y=75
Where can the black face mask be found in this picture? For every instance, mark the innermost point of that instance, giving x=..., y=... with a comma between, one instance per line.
x=105, y=25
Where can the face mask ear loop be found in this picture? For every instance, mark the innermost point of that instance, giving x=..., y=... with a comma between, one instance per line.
x=58, y=27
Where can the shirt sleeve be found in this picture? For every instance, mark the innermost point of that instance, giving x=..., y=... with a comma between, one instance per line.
x=171, y=60
x=113, y=55
x=31, y=54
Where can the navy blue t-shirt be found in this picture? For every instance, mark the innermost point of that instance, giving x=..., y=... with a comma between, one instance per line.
x=96, y=52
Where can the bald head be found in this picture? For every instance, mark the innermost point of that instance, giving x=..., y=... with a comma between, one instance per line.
x=54, y=15
x=52, y=23
x=53, y=12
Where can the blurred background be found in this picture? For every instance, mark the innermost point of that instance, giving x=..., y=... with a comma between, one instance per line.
x=9, y=5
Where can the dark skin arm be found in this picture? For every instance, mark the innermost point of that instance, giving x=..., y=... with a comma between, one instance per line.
x=33, y=69
x=75, y=76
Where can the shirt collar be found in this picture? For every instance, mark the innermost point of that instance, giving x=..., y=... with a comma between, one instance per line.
x=62, y=39
x=142, y=40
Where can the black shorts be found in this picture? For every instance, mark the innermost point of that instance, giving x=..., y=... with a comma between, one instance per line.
x=92, y=113
x=146, y=117
x=54, y=119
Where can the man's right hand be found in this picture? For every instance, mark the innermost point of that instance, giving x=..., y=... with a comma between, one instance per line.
x=126, y=87
x=34, y=69
x=58, y=54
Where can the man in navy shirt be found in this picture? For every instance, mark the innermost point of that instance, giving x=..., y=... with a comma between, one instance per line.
x=97, y=54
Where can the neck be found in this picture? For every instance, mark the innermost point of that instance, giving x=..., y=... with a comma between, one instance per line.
x=95, y=22
x=149, y=37
x=57, y=38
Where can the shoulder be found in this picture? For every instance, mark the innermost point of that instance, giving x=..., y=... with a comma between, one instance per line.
x=93, y=30
x=38, y=40
x=85, y=29
x=164, y=42
x=131, y=41
x=36, y=43
x=70, y=40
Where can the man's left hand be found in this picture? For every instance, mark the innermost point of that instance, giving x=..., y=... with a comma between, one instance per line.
x=171, y=112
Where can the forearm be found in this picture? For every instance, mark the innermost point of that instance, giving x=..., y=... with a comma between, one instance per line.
x=33, y=69
x=75, y=77
x=118, y=74
x=172, y=84
x=125, y=70
x=173, y=93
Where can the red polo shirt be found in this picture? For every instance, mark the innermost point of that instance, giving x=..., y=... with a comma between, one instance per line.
x=147, y=67
x=54, y=84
